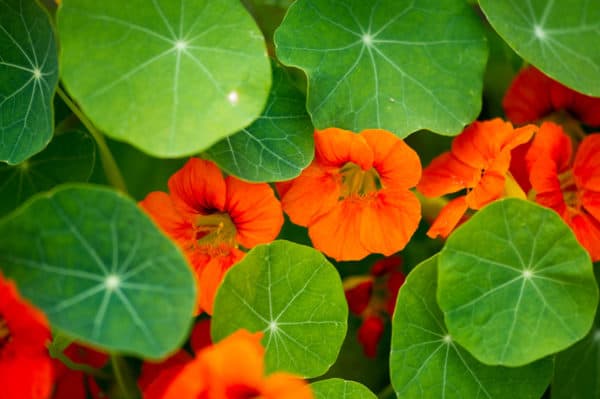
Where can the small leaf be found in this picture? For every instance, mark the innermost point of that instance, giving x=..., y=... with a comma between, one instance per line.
x=396, y=65
x=100, y=270
x=171, y=80
x=336, y=388
x=295, y=297
x=28, y=78
x=560, y=38
x=275, y=147
x=426, y=362
x=515, y=285
x=68, y=158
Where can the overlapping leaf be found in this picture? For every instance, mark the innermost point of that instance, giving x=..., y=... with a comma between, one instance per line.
x=278, y=145
x=100, y=270
x=68, y=158
x=28, y=77
x=515, y=285
x=336, y=388
x=292, y=294
x=559, y=37
x=426, y=362
x=170, y=77
x=397, y=65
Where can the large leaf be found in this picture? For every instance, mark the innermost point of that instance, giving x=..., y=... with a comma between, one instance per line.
x=278, y=145
x=336, y=388
x=559, y=37
x=170, y=77
x=68, y=158
x=515, y=285
x=100, y=270
x=28, y=77
x=397, y=65
x=426, y=362
x=292, y=294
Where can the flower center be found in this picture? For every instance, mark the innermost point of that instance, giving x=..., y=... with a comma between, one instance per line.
x=569, y=190
x=4, y=332
x=358, y=182
x=215, y=229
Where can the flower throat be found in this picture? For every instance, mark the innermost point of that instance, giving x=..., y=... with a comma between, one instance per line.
x=358, y=182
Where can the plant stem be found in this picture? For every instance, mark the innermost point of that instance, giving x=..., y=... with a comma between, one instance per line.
x=386, y=393
x=126, y=386
x=111, y=169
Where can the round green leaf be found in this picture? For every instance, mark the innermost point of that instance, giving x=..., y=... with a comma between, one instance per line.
x=336, y=388
x=169, y=77
x=295, y=297
x=396, y=65
x=515, y=285
x=426, y=362
x=559, y=37
x=68, y=158
x=100, y=270
x=278, y=145
x=28, y=78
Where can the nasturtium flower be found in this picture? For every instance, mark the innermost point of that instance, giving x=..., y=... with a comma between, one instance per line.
x=213, y=219
x=568, y=184
x=26, y=370
x=76, y=384
x=354, y=197
x=478, y=162
x=533, y=96
x=230, y=369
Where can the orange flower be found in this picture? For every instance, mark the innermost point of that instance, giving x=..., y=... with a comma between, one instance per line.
x=211, y=217
x=478, y=162
x=26, y=370
x=533, y=95
x=354, y=197
x=230, y=369
x=570, y=186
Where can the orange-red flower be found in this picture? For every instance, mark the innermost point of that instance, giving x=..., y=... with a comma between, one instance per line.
x=478, y=162
x=569, y=185
x=354, y=197
x=231, y=369
x=212, y=217
x=75, y=384
x=26, y=370
x=533, y=95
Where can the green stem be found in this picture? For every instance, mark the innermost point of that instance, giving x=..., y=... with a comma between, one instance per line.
x=386, y=393
x=126, y=385
x=111, y=169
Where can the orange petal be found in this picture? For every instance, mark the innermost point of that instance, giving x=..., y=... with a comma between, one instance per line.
x=446, y=174
x=312, y=194
x=255, y=211
x=552, y=143
x=528, y=97
x=448, y=218
x=480, y=142
x=586, y=166
x=211, y=276
x=591, y=203
x=198, y=188
x=388, y=221
x=161, y=209
x=336, y=147
x=584, y=108
x=398, y=165
x=489, y=188
x=587, y=231
x=337, y=233
x=285, y=386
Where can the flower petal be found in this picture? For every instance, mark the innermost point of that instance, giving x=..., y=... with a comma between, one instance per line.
x=587, y=231
x=446, y=174
x=211, y=275
x=489, y=188
x=161, y=209
x=584, y=108
x=551, y=143
x=586, y=167
x=448, y=218
x=528, y=97
x=335, y=147
x=285, y=386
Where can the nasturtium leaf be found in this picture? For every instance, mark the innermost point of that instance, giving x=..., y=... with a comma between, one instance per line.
x=278, y=145
x=515, y=285
x=559, y=37
x=295, y=297
x=100, y=269
x=28, y=78
x=336, y=388
x=396, y=65
x=169, y=77
x=426, y=362
x=68, y=158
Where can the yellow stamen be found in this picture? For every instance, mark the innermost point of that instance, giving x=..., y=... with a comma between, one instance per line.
x=215, y=229
x=358, y=182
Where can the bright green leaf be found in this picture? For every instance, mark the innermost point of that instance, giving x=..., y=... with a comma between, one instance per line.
x=278, y=145
x=295, y=297
x=426, y=362
x=100, y=270
x=559, y=37
x=28, y=77
x=169, y=77
x=336, y=388
x=390, y=64
x=68, y=158
x=515, y=285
